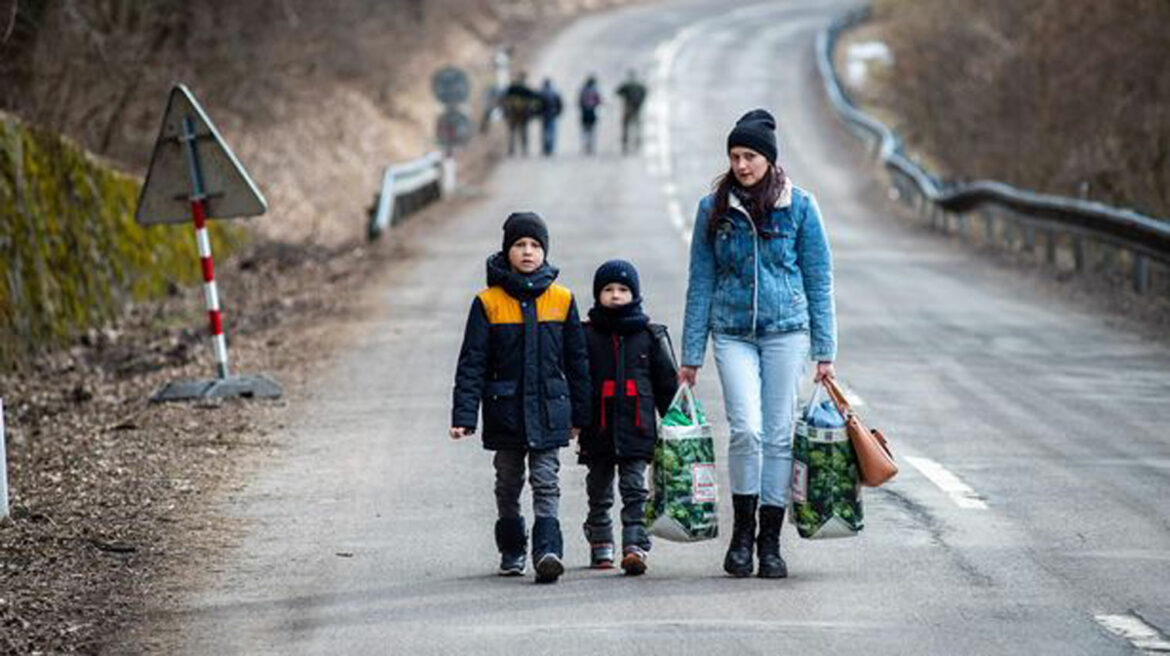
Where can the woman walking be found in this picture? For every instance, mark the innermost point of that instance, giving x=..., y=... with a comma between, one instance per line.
x=761, y=283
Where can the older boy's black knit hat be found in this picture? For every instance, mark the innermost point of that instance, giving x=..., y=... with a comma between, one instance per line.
x=525, y=224
x=619, y=271
x=756, y=130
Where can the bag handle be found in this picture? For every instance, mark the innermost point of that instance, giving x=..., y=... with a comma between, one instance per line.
x=688, y=405
x=818, y=387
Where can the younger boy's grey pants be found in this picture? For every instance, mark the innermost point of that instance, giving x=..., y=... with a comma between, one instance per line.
x=631, y=476
x=544, y=476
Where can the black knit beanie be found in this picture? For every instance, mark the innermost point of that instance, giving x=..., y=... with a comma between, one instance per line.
x=756, y=130
x=619, y=271
x=525, y=224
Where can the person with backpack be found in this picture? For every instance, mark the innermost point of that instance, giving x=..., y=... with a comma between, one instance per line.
x=589, y=103
x=632, y=374
x=520, y=103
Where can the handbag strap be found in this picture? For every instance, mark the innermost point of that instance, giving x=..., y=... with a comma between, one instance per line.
x=837, y=395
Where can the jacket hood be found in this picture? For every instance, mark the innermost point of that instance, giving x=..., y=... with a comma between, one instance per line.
x=519, y=285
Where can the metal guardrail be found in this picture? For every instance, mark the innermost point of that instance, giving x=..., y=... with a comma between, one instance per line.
x=405, y=188
x=1142, y=235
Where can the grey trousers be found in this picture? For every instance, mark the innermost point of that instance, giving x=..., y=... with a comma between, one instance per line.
x=544, y=476
x=631, y=476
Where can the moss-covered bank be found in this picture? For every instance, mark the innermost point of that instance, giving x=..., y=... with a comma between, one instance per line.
x=73, y=255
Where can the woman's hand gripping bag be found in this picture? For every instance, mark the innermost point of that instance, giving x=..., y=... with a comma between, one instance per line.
x=826, y=486
x=683, y=494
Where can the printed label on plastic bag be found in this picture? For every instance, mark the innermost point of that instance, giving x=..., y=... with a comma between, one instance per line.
x=703, y=483
x=799, y=482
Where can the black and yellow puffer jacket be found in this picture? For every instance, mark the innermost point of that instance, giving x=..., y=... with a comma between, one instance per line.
x=524, y=358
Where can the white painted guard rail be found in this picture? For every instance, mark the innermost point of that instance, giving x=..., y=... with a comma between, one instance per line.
x=407, y=178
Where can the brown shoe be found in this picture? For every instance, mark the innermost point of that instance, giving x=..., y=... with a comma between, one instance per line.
x=634, y=561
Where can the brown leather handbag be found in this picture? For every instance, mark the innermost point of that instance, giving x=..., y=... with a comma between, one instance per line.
x=874, y=459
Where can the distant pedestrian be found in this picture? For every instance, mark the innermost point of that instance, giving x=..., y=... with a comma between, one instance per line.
x=550, y=109
x=524, y=360
x=589, y=104
x=633, y=95
x=632, y=371
x=761, y=283
x=521, y=104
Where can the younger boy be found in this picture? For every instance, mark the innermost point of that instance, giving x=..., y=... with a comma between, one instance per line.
x=524, y=358
x=632, y=372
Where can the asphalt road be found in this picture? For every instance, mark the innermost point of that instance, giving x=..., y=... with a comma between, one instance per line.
x=1032, y=432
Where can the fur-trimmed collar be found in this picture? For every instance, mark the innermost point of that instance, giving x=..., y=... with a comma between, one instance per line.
x=784, y=200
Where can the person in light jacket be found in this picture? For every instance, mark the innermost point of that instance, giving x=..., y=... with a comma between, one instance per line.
x=760, y=284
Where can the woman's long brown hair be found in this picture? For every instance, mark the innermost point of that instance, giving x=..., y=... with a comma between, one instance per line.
x=760, y=197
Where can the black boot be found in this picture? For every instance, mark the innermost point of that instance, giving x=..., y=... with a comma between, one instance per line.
x=511, y=540
x=738, y=561
x=772, y=565
x=547, y=549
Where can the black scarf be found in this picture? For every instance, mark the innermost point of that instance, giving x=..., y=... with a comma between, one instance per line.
x=520, y=286
x=760, y=198
x=624, y=320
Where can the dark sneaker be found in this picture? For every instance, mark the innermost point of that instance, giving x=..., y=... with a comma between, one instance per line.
x=512, y=564
x=634, y=561
x=601, y=555
x=549, y=568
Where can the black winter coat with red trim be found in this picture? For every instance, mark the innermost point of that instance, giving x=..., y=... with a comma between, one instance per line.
x=523, y=358
x=632, y=375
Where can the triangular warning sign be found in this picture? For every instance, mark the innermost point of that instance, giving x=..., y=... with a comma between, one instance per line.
x=174, y=174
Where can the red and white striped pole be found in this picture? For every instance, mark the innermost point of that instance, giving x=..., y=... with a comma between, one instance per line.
x=214, y=314
x=203, y=241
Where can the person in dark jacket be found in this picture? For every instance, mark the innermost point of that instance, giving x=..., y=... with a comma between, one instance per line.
x=633, y=95
x=551, y=106
x=524, y=359
x=521, y=103
x=632, y=373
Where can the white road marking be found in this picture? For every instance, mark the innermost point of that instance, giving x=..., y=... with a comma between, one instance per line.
x=1136, y=631
x=956, y=489
x=676, y=215
x=659, y=162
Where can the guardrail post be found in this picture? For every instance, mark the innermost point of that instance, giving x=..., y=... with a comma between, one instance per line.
x=962, y=227
x=1050, y=246
x=1029, y=238
x=3, y=467
x=1078, y=246
x=1141, y=273
x=449, y=171
x=989, y=226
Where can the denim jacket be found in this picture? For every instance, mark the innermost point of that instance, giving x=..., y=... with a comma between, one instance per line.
x=748, y=284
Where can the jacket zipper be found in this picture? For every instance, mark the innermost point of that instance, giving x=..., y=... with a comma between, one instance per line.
x=755, y=276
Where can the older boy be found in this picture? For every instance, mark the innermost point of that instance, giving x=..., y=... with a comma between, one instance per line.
x=524, y=358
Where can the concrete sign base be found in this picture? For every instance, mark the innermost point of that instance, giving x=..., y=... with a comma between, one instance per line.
x=249, y=387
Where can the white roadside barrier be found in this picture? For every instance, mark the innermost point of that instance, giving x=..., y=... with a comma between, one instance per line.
x=407, y=187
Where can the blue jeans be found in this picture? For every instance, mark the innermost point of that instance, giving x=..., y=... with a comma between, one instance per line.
x=548, y=142
x=760, y=378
